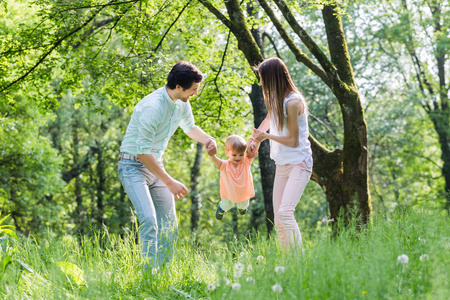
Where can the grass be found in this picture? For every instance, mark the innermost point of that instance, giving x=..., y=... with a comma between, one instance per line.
x=355, y=265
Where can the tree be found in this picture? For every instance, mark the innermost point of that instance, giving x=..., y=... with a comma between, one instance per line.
x=342, y=174
x=417, y=32
x=194, y=195
x=29, y=169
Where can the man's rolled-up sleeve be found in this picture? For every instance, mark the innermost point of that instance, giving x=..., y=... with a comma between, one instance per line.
x=187, y=122
x=149, y=118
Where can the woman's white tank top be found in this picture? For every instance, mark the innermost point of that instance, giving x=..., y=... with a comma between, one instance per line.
x=282, y=154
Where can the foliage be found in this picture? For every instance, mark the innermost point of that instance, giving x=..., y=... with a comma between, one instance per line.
x=29, y=168
x=405, y=156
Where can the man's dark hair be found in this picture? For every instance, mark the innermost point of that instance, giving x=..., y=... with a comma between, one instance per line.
x=183, y=74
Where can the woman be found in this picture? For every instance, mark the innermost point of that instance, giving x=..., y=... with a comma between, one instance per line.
x=287, y=120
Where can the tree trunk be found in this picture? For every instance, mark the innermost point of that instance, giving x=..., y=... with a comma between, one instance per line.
x=195, y=196
x=79, y=212
x=266, y=164
x=442, y=128
x=100, y=185
x=355, y=182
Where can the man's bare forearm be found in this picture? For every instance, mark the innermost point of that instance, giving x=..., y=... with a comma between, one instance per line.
x=199, y=135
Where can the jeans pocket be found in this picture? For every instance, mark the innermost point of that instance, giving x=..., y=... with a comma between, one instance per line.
x=128, y=168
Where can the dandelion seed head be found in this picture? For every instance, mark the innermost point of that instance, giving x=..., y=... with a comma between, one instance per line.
x=277, y=288
x=235, y=286
x=237, y=274
x=249, y=268
x=403, y=259
x=210, y=287
x=260, y=258
x=238, y=267
x=250, y=280
x=424, y=257
x=280, y=269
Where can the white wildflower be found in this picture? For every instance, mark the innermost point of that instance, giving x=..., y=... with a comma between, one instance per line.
x=277, y=288
x=227, y=282
x=237, y=274
x=424, y=257
x=403, y=259
x=260, y=258
x=239, y=267
x=210, y=287
x=250, y=280
x=422, y=240
x=235, y=286
x=280, y=269
x=249, y=268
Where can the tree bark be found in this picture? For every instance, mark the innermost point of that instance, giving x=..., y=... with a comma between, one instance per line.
x=266, y=164
x=100, y=185
x=195, y=196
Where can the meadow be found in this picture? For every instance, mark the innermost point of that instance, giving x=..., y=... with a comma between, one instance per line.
x=402, y=255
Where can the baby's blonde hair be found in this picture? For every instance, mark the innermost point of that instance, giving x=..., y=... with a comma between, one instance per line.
x=236, y=143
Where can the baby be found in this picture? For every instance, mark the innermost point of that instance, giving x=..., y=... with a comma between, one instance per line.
x=236, y=181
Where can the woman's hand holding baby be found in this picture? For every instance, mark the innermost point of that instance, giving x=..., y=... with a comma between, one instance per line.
x=259, y=135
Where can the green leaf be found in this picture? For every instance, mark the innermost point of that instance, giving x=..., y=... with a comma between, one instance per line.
x=9, y=232
x=73, y=271
x=25, y=266
x=3, y=219
x=5, y=262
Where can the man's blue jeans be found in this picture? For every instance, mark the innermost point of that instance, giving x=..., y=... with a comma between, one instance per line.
x=155, y=208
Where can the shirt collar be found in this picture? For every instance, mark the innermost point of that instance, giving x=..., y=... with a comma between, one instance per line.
x=167, y=97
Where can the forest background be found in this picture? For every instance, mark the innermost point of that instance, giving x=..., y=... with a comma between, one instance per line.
x=72, y=71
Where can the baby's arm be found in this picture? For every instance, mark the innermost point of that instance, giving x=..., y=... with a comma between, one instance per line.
x=217, y=161
x=252, y=149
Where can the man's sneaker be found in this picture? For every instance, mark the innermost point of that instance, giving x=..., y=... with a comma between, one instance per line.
x=242, y=211
x=219, y=213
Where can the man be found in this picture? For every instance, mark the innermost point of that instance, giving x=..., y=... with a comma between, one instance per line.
x=150, y=188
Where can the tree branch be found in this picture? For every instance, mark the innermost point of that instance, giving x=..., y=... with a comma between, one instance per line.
x=118, y=18
x=299, y=55
x=79, y=168
x=337, y=44
x=112, y=3
x=424, y=157
x=265, y=35
x=325, y=125
x=217, y=75
x=217, y=13
x=171, y=25
x=91, y=30
x=55, y=45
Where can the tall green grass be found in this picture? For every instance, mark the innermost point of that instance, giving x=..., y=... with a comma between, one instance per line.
x=357, y=264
